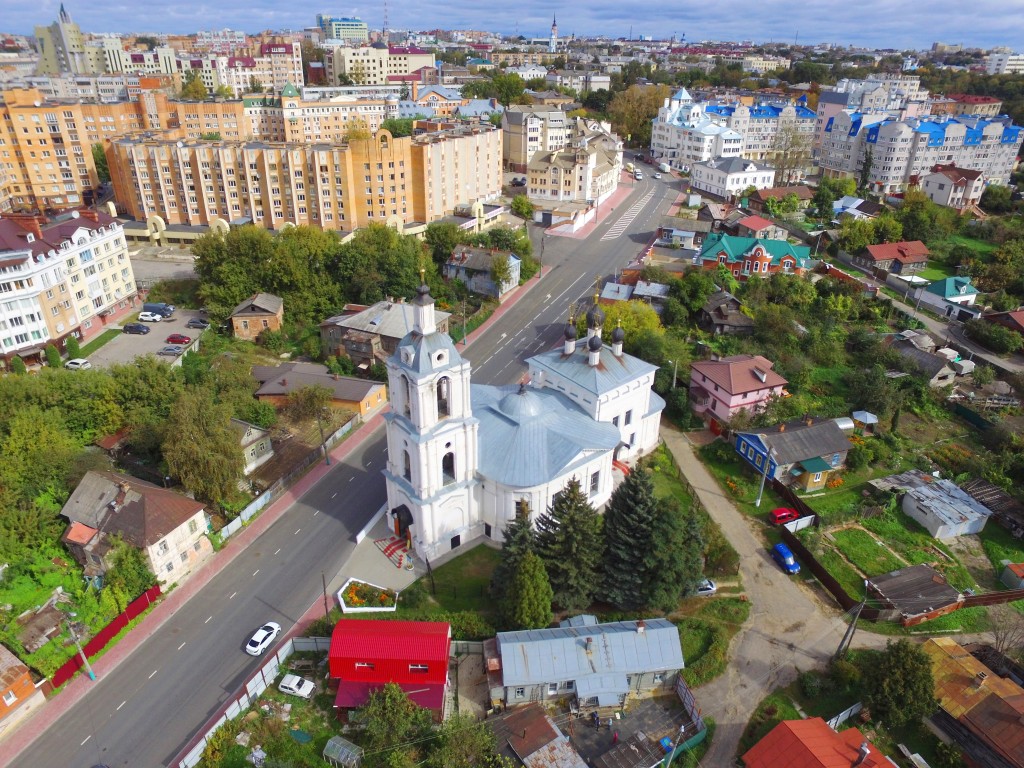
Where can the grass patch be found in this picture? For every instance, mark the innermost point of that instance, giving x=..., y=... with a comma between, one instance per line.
x=842, y=571
x=984, y=247
x=705, y=635
x=936, y=270
x=463, y=584
x=866, y=552
x=772, y=710
x=738, y=480
x=99, y=341
x=906, y=537
x=999, y=545
x=182, y=292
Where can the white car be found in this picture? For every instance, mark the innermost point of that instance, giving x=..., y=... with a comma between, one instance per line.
x=655, y=175
x=78, y=364
x=150, y=317
x=706, y=588
x=262, y=639
x=297, y=686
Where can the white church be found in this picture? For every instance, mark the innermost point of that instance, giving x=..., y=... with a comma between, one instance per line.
x=461, y=456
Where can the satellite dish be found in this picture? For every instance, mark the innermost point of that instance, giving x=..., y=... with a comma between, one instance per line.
x=75, y=214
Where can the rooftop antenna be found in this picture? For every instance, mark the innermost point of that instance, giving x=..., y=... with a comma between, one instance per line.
x=384, y=32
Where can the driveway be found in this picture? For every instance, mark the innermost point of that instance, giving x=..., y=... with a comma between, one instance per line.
x=789, y=630
x=126, y=347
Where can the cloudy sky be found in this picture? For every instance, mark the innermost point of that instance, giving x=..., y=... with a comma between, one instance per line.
x=875, y=23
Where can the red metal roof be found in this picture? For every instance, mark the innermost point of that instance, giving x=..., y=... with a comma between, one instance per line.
x=754, y=223
x=738, y=374
x=908, y=252
x=811, y=744
x=352, y=695
x=390, y=651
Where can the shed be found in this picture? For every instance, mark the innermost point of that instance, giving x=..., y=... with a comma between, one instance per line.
x=918, y=592
x=964, y=367
x=945, y=510
x=1012, y=576
x=864, y=422
x=339, y=751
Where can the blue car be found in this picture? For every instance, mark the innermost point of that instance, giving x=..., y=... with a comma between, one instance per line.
x=784, y=557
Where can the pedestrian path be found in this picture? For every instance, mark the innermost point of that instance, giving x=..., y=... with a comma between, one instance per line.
x=627, y=218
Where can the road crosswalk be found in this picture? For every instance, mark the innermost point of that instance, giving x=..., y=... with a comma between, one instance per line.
x=627, y=218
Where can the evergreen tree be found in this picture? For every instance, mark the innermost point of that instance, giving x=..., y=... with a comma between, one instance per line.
x=629, y=535
x=675, y=566
x=527, y=604
x=519, y=540
x=569, y=541
x=53, y=357
x=73, y=348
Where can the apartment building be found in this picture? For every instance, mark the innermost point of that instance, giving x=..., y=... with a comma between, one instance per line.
x=522, y=58
x=900, y=151
x=997, y=63
x=587, y=169
x=375, y=64
x=968, y=104
x=291, y=118
x=63, y=48
x=578, y=81
x=105, y=88
x=343, y=28
x=727, y=178
x=332, y=185
x=529, y=129
x=60, y=276
x=762, y=65
x=898, y=94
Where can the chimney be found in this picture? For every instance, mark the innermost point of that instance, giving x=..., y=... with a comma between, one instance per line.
x=979, y=680
x=284, y=382
x=90, y=214
x=590, y=644
x=29, y=222
x=862, y=754
x=414, y=90
x=641, y=626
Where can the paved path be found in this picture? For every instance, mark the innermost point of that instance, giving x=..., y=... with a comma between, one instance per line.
x=789, y=630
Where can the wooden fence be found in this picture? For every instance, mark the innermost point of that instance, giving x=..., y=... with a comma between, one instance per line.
x=104, y=636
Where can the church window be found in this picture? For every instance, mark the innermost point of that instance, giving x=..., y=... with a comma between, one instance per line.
x=448, y=469
x=456, y=542
x=406, y=398
x=595, y=483
x=444, y=386
x=407, y=466
x=629, y=417
x=487, y=530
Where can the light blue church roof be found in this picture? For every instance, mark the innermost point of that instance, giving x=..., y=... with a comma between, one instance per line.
x=610, y=373
x=530, y=436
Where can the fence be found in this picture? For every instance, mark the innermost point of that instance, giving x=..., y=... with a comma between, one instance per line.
x=282, y=484
x=465, y=647
x=306, y=644
x=104, y=636
x=845, y=715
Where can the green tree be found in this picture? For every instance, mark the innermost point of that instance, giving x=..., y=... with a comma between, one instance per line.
x=224, y=92
x=313, y=402
x=569, y=541
x=517, y=541
x=628, y=534
x=983, y=374
x=633, y=110
x=53, y=357
x=99, y=159
x=73, y=348
x=1000, y=340
x=201, y=448
x=147, y=41
x=18, y=365
x=522, y=207
x=527, y=603
x=996, y=199
x=193, y=88
x=442, y=237
x=210, y=136
x=38, y=454
x=918, y=216
x=255, y=85
x=465, y=742
x=501, y=270
x=400, y=126
x=675, y=566
x=866, y=167
x=394, y=729
x=129, y=575
x=693, y=290
x=898, y=687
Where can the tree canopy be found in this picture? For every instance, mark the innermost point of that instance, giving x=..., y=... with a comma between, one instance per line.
x=898, y=687
x=570, y=542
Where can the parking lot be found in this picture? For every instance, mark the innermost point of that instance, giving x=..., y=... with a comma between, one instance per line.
x=126, y=347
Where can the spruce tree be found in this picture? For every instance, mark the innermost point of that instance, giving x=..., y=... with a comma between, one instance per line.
x=629, y=537
x=519, y=540
x=570, y=542
x=675, y=566
x=528, y=601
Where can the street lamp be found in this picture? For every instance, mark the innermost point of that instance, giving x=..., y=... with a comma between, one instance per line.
x=767, y=464
x=675, y=371
x=78, y=645
x=543, y=244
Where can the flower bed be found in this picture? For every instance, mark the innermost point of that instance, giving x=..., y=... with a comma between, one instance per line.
x=362, y=597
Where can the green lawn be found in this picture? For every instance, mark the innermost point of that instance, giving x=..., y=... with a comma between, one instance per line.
x=99, y=341
x=984, y=247
x=866, y=552
x=1000, y=545
x=462, y=584
x=772, y=710
x=843, y=572
x=936, y=270
x=738, y=480
x=705, y=634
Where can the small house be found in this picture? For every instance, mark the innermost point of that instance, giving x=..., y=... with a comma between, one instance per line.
x=18, y=693
x=956, y=290
x=1012, y=576
x=276, y=383
x=758, y=201
x=527, y=735
x=256, y=445
x=864, y=422
x=475, y=267
x=747, y=257
x=757, y=226
x=811, y=743
x=953, y=187
x=945, y=510
x=260, y=312
x=904, y=258
x=369, y=335
x=723, y=313
x=801, y=453
x=933, y=367
x=917, y=593
x=719, y=389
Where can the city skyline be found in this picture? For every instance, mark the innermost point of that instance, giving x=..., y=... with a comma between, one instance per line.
x=982, y=24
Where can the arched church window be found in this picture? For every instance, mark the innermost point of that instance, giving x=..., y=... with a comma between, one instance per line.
x=444, y=390
x=448, y=469
x=406, y=398
x=406, y=466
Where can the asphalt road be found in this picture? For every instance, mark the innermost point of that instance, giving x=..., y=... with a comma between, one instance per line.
x=143, y=713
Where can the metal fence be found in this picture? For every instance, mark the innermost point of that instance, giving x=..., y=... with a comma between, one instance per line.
x=845, y=715
x=465, y=647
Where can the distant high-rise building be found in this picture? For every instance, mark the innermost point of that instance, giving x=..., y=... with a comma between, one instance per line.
x=1004, y=63
x=62, y=48
x=333, y=28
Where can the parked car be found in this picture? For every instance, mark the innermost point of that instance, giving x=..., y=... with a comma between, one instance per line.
x=78, y=364
x=638, y=175
x=161, y=308
x=179, y=338
x=783, y=515
x=262, y=639
x=150, y=317
x=172, y=350
x=198, y=322
x=706, y=588
x=655, y=175
x=518, y=182
x=297, y=686
x=785, y=559
x=137, y=328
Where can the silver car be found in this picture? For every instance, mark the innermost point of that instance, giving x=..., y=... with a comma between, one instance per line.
x=297, y=686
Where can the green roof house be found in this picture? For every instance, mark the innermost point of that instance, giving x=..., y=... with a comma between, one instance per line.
x=956, y=290
x=753, y=256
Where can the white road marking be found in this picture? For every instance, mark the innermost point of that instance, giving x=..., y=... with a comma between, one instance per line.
x=316, y=513
x=627, y=218
x=120, y=705
x=351, y=479
x=256, y=571
x=181, y=646
x=232, y=595
x=277, y=550
x=208, y=620
x=151, y=674
x=86, y=739
x=334, y=494
x=369, y=463
x=296, y=532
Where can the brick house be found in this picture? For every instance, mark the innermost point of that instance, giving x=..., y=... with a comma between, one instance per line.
x=719, y=389
x=472, y=266
x=369, y=335
x=260, y=312
x=18, y=694
x=904, y=258
x=749, y=257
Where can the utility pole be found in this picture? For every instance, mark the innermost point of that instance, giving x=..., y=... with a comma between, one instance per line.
x=327, y=610
x=767, y=464
x=78, y=645
x=465, y=320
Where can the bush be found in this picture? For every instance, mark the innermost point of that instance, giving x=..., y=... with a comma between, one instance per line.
x=74, y=349
x=1000, y=340
x=810, y=684
x=845, y=674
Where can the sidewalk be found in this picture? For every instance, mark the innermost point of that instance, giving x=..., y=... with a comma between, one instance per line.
x=77, y=689
x=604, y=211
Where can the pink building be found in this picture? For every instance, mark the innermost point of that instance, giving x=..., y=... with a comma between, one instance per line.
x=719, y=389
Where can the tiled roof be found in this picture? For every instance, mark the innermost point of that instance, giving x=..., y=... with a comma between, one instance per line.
x=11, y=669
x=739, y=373
x=259, y=304
x=957, y=175
x=811, y=744
x=13, y=236
x=956, y=672
x=754, y=223
x=801, y=191
x=79, y=533
x=908, y=252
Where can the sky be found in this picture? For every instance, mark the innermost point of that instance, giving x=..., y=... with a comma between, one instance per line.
x=871, y=23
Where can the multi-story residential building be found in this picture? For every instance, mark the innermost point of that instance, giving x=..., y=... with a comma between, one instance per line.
x=579, y=81
x=375, y=64
x=968, y=104
x=761, y=65
x=953, y=187
x=522, y=58
x=529, y=129
x=586, y=170
x=63, y=48
x=343, y=28
x=720, y=389
x=901, y=95
x=273, y=66
x=901, y=150
x=727, y=177
x=104, y=88
x=61, y=276
x=292, y=119
x=220, y=40
x=995, y=63
x=333, y=185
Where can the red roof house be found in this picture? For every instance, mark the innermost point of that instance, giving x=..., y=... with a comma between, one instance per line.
x=812, y=744
x=719, y=389
x=366, y=655
x=757, y=226
x=899, y=258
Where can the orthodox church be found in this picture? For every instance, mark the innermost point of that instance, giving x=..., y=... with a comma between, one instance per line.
x=461, y=456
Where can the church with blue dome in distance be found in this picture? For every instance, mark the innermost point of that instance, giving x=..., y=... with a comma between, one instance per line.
x=462, y=456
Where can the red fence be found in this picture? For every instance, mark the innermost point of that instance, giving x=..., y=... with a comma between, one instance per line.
x=105, y=635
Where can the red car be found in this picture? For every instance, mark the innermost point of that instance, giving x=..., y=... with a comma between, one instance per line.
x=783, y=515
x=178, y=338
